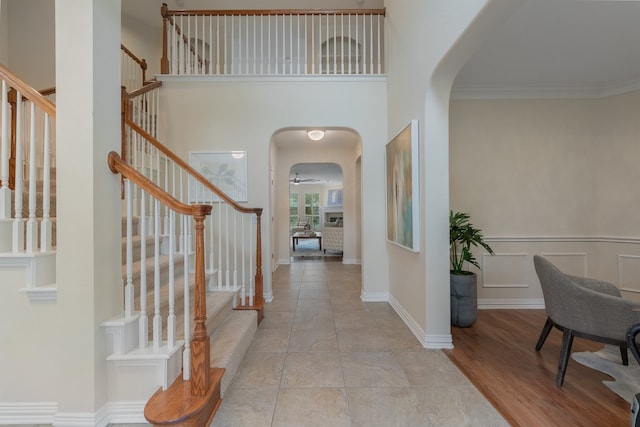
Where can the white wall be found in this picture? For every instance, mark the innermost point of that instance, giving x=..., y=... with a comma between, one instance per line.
x=4, y=33
x=549, y=176
x=53, y=358
x=245, y=113
x=31, y=45
x=427, y=42
x=144, y=40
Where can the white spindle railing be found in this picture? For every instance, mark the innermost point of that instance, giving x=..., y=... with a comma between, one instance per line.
x=250, y=42
x=27, y=156
x=230, y=239
x=132, y=70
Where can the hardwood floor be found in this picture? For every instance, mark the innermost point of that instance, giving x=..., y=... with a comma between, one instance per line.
x=497, y=354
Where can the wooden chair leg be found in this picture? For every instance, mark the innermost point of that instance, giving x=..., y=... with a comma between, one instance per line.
x=625, y=355
x=567, y=341
x=544, y=334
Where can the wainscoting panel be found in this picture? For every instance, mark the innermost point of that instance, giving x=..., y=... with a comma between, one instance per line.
x=505, y=270
x=629, y=273
x=576, y=264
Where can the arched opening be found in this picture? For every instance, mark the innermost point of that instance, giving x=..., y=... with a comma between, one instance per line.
x=327, y=168
x=316, y=211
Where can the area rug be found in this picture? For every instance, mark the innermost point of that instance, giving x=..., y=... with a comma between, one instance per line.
x=626, y=383
x=308, y=249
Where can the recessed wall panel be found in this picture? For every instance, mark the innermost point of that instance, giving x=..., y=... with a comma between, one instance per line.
x=505, y=270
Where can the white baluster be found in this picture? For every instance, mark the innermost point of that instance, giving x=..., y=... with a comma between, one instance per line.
x=252, y=290
x=171, y=320
x=235, y=251
x=157, y=318
x=128, y=289
x=243, y=291
x=186, y=355
x=227, y=277
x=18, y=222
x=143, y=325
x=219, y=243
x=32, y=225
x=5, y=192
x=378, y=43
x=45, y=226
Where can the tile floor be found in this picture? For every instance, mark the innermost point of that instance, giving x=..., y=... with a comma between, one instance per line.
x=322, y=357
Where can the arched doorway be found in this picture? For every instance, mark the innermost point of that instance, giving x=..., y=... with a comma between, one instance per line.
x=316, y=212
x=292, y=146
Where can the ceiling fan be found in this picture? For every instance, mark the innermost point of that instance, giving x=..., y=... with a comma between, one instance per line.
x=297, y=181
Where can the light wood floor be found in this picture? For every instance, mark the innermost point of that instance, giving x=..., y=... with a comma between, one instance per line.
x=497, y=354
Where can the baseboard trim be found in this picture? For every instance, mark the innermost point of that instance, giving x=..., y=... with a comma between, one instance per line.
x=38, y=413
x=513, y=304
x=127, y=412
x=82, y=419
x=436, y=342
x=374, y=296
x=27, y=412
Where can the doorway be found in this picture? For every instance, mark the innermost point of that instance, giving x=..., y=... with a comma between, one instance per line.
x=315, y=212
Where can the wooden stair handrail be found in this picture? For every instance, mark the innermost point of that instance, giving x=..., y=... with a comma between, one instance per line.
x=141, y=62
x=117, y=165
x=38, y=98
x=250, y=12
x=28, y=92
x=190, y=170
x=148, y=86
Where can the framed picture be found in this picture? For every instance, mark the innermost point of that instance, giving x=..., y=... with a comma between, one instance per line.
x=334, y=197
x=403, y=178
x=227, y=170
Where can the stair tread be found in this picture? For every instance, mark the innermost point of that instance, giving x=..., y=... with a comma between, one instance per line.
x=230, y=341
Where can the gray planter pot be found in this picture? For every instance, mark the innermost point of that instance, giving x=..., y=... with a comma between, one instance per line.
x=464, y=299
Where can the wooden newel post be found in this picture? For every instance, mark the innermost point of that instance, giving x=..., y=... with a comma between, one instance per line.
x=259, y=297
x=164, y=61
x=200, y=349
x=13, y=101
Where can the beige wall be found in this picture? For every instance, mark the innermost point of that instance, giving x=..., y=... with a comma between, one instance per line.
x=553, y=177
x=4, y=33
x=31, y=45
x=427, y=42
x=245, y=113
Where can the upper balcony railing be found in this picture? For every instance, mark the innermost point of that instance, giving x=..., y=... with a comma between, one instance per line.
x=272, y=42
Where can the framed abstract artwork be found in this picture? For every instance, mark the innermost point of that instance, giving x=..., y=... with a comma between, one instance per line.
x=402, y=189
x=334, y=197
x=227, y=170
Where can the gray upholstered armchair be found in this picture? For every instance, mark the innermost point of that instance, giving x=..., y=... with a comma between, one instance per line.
x=585, y=308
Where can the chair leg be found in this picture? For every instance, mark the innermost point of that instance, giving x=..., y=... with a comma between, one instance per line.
x=567, y=340
x=625, y=355
x=544, y=334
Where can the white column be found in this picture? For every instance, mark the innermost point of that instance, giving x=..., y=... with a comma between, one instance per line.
x=88, y=195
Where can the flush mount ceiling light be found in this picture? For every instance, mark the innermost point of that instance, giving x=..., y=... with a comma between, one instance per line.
x=315, y=135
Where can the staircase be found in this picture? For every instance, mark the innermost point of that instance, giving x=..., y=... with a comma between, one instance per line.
x=178, y=282
x=231, y=331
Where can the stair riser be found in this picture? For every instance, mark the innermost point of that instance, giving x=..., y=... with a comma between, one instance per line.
x=135, y=249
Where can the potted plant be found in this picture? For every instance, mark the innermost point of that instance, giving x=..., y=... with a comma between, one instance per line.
x=464, y=292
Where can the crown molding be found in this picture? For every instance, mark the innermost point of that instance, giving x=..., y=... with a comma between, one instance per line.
x=542, y=92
